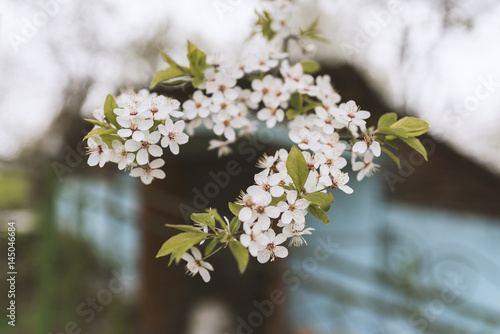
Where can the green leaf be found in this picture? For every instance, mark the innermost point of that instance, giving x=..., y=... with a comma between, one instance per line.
x=217, y=217
x=100, y=132
x=310, y=66
x=413, y=126
x=240, y=253
x=197, y=81
x=204, y=218
x=166, y=58
x=416, y=145
x=396, y=132
x=186, y=228
x=101, y=124
x=197, y=63
x=210, y=247
x=296, y=101
x=235, y=208
x=292, y=113
x=191, y=46
x=318, y=213
x=264, y=21
x=392, y=156
x=109, y=110
x=387, y=120
x=179, y=244
x=297, y=167
x=324, y=201
x=313, y=27
x=164, y=76
x=235, y=225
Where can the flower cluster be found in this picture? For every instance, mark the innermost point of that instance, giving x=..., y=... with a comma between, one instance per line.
x=230, y=97
x=131, y=128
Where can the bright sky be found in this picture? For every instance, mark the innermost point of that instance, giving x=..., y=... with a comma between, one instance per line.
x=443, y=78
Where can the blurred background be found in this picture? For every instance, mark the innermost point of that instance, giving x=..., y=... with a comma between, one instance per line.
x=413, y=250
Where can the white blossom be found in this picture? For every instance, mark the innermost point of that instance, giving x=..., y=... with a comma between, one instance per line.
x=145, y=147
x=98, y=151
x=196, y=265
x=149, y=172
x=173, y=135
x=294, y=209
x=120, y=155
x=273, y=248
x=365, y=168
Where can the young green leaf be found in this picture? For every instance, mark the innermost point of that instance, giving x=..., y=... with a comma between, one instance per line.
x=210, y=247
x=296, y=101
x=100, y=132
x=218, y=218
x=416, y=145
x=396, y=132
x=235, y=208
x=387, y=120
x=318, y=213
x=310, y=66
x=186, y=228
x=240, y=253
x=109, y=110
x=166, y=58
x=292, y=113
x=297, y=167
x=164, y=76
x=413, y=126
x=324, y=201
x=235, y=225
x=204, y=218
x=179, y=244
x=101, y=124
x=197, y=63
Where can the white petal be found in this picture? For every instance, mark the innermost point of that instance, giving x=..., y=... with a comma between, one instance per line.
x=182, y=138
x=264, y=256
x=154, y=137
x=196, y=253
x=142, y=157
x=277, y=191
x=138, y=136
x=179, y=126
x=124, y=133
x=245, y=214
x=158, y=174
x=375, y=146
x=205, y=275
x=174, y=147
x=245, y=239
x=132, y=145
x=157, y=163
x=291, y=197
x=359, y=147
x=281, y=251
x=286, y=218
x=207, y=265
x=93, y=159
x=273, y=211
x=346, y=189
x=187, y=257
x=155, y=151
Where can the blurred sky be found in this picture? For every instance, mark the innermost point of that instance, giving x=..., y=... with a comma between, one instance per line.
x=434, y=58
